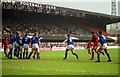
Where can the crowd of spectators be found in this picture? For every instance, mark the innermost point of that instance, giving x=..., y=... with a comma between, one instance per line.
x=54, y=27
x=45, y=24
x=30, y=28
x=51, y=25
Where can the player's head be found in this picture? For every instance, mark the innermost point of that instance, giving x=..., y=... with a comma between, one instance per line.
x=11, y=35
x=5, y=38
x=35, y=33
x=93, y=32
x=100, y=32
x=68, y=35
x=26, y=35
x=17, y=33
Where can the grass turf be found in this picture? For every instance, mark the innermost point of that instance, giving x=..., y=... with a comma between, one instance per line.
x=52, y=63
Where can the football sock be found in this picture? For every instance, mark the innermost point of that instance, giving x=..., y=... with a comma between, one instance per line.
x=26, y=54
x=17, y=54
x=10, y=54
x=75, y=55
x=98, y=56
x=38, y=55
x=23, y=55
x=108, y=55
x=15, y=50
x=92, y=54
x=88, y=51
x=65, y=55
x=18, y=51
x=29, y=55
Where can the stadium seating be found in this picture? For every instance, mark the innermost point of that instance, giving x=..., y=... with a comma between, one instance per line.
x=50, y=26
x=18, y=17
x=45, y=24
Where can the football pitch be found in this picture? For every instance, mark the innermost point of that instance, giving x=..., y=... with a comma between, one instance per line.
x=52, y=63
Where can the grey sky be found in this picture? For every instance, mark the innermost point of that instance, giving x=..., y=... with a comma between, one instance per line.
x=101, y=6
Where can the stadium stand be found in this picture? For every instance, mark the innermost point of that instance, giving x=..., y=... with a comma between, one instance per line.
x=45, y=24
x=52, y=21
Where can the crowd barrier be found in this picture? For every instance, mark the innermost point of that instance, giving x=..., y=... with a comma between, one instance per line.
x=64, y=48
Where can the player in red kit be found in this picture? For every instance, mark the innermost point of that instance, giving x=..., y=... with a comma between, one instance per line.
x=89, y=47
x=95, y=44
x=5, y=44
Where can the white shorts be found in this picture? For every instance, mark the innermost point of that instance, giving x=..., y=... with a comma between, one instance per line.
x=21, y=47
x=25, y=46
x=16, y=44
x=70, y=46
x=10, y=46
x=35, y=45
x=104, y=46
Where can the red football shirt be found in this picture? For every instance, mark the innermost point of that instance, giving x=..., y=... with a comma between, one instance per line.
x=89, y=45
x=95, y=39
x=5, y=43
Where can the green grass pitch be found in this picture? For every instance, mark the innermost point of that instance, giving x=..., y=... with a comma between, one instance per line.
x=52, y=63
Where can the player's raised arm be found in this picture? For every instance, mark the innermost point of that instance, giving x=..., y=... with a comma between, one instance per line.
x=65, y=41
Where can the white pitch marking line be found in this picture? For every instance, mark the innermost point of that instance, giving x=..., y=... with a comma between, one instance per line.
x=58, y=70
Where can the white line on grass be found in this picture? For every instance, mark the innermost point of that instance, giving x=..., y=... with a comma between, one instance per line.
x=72, y=71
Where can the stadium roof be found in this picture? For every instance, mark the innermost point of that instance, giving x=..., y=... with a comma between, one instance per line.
x=91, y=16
x=104, y=18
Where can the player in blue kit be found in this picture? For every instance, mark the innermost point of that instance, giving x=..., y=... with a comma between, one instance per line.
x=35, y=46
x=11, y=41
x=70, y=46
x=38, y=48
x=103, y=46
x=16, y=45
x=26, y=41
x=20, y=42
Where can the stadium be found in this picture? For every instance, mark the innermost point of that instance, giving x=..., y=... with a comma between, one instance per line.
x=53, y=23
